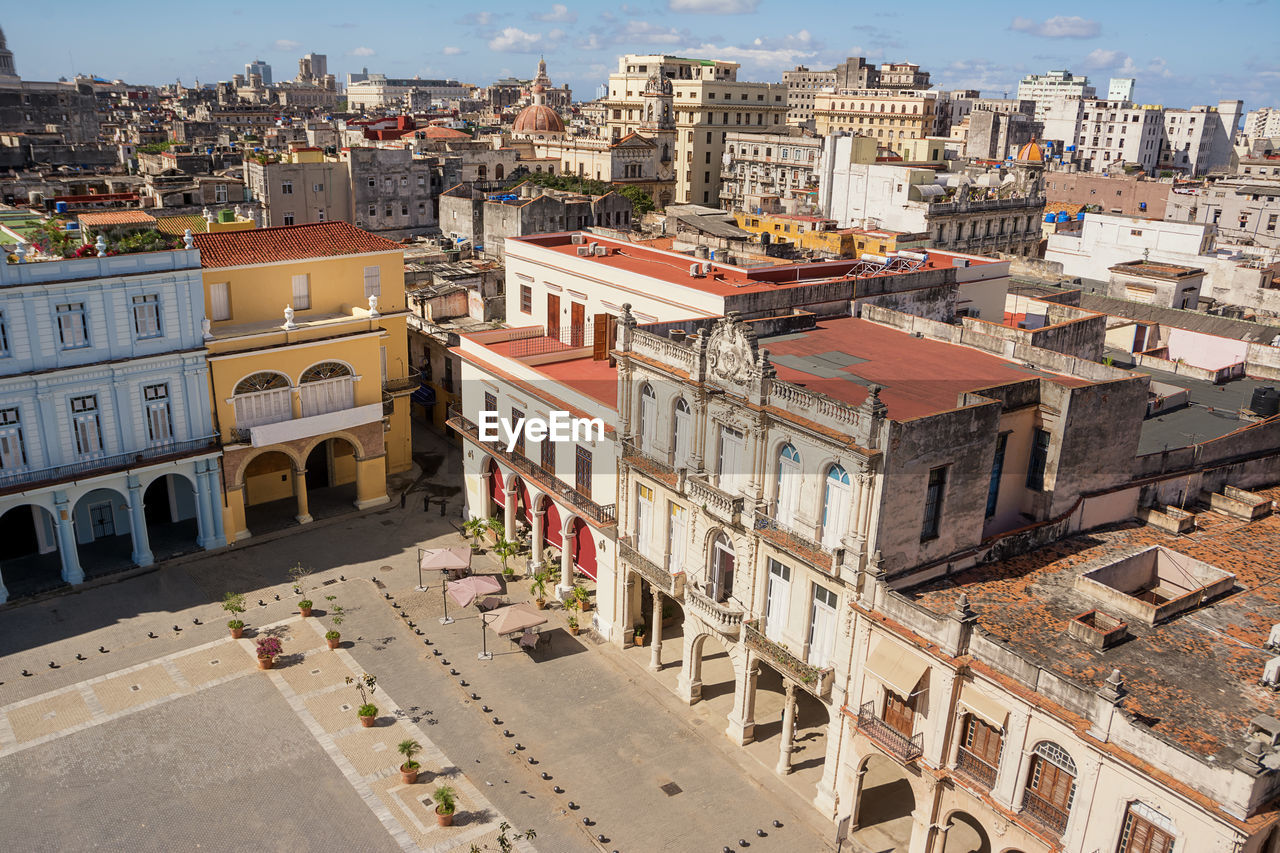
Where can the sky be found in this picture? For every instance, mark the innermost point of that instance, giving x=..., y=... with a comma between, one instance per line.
x=1181, y=53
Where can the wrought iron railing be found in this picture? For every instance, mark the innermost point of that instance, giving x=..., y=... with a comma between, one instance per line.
x=1044, y=813
x=634, y=454
x=103, y=463
x=895, y=743
x=727, y=620
x=975, y=768
x=810, y=549
x=815, y=679
x=398, y=385
x=658, y=577
x=601, y=514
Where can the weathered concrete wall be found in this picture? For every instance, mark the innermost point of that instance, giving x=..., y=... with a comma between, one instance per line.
x=1097, y=439
x=1260, y=439
x=1263, y=361
x=934, y=303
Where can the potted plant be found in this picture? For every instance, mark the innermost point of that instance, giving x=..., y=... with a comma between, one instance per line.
x=335, y=611
x=409, y=770
x=446, y=804
x=473, y=529
x=505, y=549
x=495, y=530
x=268, y=648
x=581, y=596
x=368, y=712
x=298, y=574
x=539, y=590
x=333, y=638
x=304, y=607
x=573, y=625
x=233, y=603
x=638, y=632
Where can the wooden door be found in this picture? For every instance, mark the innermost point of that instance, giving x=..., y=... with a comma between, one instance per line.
x=1141, y=836
x=982, y=741
x=899, y=714
x=1052, y=784
x=577, y=323
x=553, y=316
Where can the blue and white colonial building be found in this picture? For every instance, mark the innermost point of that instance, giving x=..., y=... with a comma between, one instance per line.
x=108, y=454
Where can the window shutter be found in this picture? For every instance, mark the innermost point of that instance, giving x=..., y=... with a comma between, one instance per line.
x=301, y=292
x=219, y=301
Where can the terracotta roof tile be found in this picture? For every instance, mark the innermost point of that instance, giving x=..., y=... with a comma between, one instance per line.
x=288, y=243
x=178, y=225
x=115, y=217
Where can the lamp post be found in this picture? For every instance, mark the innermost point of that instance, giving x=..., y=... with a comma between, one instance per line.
x=421, y=588
x=485, y=654
x=444, y=594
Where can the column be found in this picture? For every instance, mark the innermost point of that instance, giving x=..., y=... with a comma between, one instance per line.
x=216, y=502
x=742, y=722
x=204, y=512
x=300, y=493
x=1012, y=756
x=538, y=522
x=4, y=591
x=689, y=684
x=826, y=800
x=72, y=573
x=655, y=658
x=509, y=512
x=566, y=563
x=1078, y=817
x=788, y=731
x=138, y=524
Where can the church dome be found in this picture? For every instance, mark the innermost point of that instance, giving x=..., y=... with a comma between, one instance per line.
x=1031, y=153
x=538, y=118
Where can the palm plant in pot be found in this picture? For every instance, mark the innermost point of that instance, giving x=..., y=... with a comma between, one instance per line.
x=233, y=603
x=446, y=804
x=639, y=633
x=367, y=685
x=473, y=529
x=505, y=549
x=409, y=770
x=581, y=596
x=539, y=589
x=268, y=649
x=573, y=625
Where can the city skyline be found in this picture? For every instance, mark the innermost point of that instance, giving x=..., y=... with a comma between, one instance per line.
x=1173, y=64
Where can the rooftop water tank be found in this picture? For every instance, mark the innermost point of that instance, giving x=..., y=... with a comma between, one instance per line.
x=60, y=207
x=1080, y=215
x=1265, y=402
x=1062, y=216
x=1049, y=217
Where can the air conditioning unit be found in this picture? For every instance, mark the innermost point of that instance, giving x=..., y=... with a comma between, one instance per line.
x=577, y=238
x=601, y=251
x=593, y=247
x=584, y=252
x=706, y=268
x=695, y=270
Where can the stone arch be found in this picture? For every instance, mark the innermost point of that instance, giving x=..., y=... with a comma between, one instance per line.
x=30, y=556
x=247, y=460
x=965, y=834
x=584, y=547
x=262, y=380
x=172, y=511
x=552, y=521
x=101, y=519
x=885, y=797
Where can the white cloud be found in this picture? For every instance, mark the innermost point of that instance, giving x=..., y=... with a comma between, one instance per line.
x=1101, y=59
x=713, y=7
x=363, y=51
x=516, y=40
x=478, y=19
x=450, y=50
x=1058, y=27
x=287, y=44
x=559, y=13
x=762, y=53
x=643, y=31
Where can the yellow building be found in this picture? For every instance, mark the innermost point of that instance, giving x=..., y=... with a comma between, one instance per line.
x=822, y=235
x=309, y=369
x=891, y=117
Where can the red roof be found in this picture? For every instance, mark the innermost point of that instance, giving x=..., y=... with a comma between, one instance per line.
x=288, y=243
x=115, y=217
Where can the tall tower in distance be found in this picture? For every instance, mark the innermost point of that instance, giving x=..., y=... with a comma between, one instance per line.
x=6, y=60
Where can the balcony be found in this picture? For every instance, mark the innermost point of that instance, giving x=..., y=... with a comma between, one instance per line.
x=817, y=681
x=659, y=578
x=727, y=620
x=1043, y=813
x=782, y=536
x=289, y=429
x=603, y=515
x=895, y=743
x=647, y=464
x=12, y=480
x=401, y=386
x=718, y=504
x=975, y=769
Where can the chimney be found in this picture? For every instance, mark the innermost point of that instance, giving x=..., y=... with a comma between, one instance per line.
x=677, y=335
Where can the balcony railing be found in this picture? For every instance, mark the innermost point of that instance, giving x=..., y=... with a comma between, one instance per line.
x=816, y=680
x=727, y=620
x=1044, y=813
x=808, y=549
x=659, y=578
x=646, y=461
x=895, y=743
x=72, y=470
x=717, y=503
x=976, y=769
x=408, y=383
x=601, y=514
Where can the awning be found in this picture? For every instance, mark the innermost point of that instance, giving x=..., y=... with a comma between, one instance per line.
x=989, y=711
x=896, y=667
x=425, y=395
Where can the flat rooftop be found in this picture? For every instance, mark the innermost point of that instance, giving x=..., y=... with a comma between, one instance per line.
x=724, y=280
x=1193, y=679
x=920, y=376
x=595, y=379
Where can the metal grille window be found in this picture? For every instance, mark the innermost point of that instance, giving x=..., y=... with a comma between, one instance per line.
x=490, y=402
x=159, y=422
x=85, y=425
x=517, y=423
x=933, y=503
x=73, y=329
x=146, y=316
x=373, y=278
x=526, y=299
x=582, y=471
x=548, y=455
x=13, y=451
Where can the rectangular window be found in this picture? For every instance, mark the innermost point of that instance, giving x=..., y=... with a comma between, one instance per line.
x=301, y=292
x=320, y=214
x=644, y=520
x=317, y=188
x=899, y=713
x=4, y=336
x=1039, y=459
x=933, y=503
x=526, y=299
x=1142, y=836
x=490, y=402
x=146, y=316
x=159, y=424
x=372, y=281
x=778, y=600
x=517, y=417
x=997, y=468
x=220, y=193
x=548, y=454
x=582, y=472
x=288, y=219
x=73, y=330
x=286, y=188
x=677, y=534
x=730, y=467
x=13, y=451
x=84, y=423
x=220, y=301
x=822, y=626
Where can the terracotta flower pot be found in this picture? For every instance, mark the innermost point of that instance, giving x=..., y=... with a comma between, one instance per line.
x=237, y=633
x=408, y=777
x=540, y=603
x=266, y=662
x=333, y=644
x=305, y=611
x=574, y=631
x=367, y=722
x=639, y=639
x=584, y=605
x=443, y=819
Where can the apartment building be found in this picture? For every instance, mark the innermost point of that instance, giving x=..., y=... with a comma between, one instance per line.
x=1262, y=123
x=1113, y=132
x=108, y=457
x=1245, y=208
x=770, y=171
x=802, y=84
x=892, y=117
x=1200, y=139
x=1043, y=88
x=705, y=100
x=300, y=188
x=309, y=370
x=393, y=194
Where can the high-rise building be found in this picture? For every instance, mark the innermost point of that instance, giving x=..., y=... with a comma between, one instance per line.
x=313, y=68
x=262, y=69
x=1262, y=123
x=1043, y=88
x=1120, y=89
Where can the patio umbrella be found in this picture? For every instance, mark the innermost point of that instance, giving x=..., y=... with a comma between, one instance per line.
x=467, y=590
x=443, y=560
x=514, y=618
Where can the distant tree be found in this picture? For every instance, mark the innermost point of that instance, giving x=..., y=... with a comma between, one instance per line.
x=154, y=147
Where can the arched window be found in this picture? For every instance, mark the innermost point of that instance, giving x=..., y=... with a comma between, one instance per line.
x=788, y=484
x=263, y=398
x=325, y=370
x=647, y=417
x=326, y=387
x=482, y=171
x=265, y=381
x=681, y=432
x=1051, y=785
x=1145, y=830
x=720, y=584
x=836, y=501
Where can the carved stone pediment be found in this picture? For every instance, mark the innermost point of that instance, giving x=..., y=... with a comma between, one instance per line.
x=731, y=354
